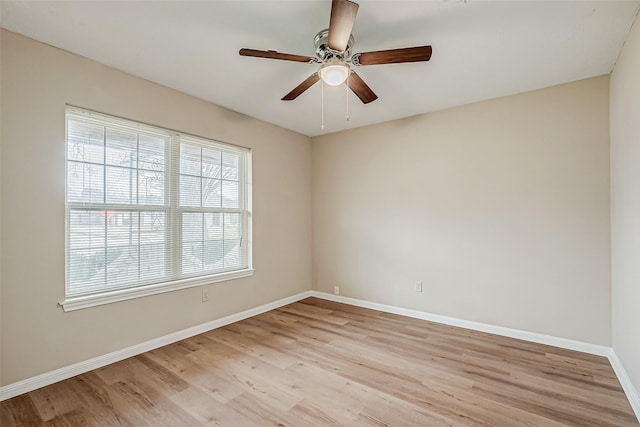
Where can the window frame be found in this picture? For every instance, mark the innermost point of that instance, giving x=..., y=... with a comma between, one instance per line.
x=174, y=279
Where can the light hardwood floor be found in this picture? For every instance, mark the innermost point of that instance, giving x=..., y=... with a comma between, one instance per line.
x=316, y=363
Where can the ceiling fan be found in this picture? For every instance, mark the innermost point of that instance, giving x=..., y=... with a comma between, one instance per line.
x=333, y=53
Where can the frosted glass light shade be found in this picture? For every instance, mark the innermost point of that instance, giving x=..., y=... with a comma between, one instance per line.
x=334, y=74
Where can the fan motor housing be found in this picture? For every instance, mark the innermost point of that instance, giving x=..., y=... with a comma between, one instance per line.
x=324, y=52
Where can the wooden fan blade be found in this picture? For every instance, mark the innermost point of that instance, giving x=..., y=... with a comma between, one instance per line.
x=395, y=56
x=298, y=90
x=343, y=15
x=360, y=88
x=272, y=54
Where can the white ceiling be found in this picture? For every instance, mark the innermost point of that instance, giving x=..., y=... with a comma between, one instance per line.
x=481, y=49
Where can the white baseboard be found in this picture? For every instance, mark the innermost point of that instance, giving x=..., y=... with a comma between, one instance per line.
x=625, y=382
x=599, y=350
x=33, y=383
x=632, y=394
x=30, y=384
x=584, y=347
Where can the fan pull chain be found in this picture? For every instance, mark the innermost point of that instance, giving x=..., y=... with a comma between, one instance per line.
x=322, y=106
x=348, y=74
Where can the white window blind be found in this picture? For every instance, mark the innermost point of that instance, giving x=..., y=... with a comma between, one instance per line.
x=147, y=207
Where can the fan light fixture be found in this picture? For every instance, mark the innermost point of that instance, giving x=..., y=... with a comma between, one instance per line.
x=334, y=74
x=334, y=58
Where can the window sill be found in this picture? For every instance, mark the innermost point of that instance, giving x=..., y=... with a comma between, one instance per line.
x=78, y=303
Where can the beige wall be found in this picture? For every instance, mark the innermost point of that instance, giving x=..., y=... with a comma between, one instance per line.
x=625, y=205
x=501, y=208
x=37, y=336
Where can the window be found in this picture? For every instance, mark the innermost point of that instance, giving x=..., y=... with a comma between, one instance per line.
x=150, y=210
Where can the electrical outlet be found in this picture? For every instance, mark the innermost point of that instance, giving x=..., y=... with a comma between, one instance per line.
x=336, y=290
x=205, y=294
x=418, y=286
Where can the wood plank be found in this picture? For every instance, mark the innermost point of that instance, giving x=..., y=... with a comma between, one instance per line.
x=322, y=363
